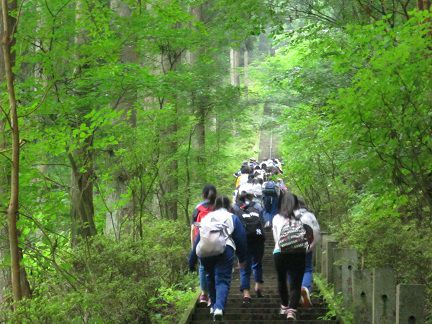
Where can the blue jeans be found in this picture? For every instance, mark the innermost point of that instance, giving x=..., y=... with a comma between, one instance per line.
x=253, y=261
x=202, y=278
x=270, y=208
x=219, y=275
x=308, y=277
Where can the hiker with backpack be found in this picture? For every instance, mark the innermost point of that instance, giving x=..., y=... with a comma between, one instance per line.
x=250, y=214
x=270, y=193
x=221, y=237
x=302, y=213
x=292, y=239
x=201, y=210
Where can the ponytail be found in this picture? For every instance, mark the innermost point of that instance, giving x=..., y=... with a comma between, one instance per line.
x=209, y=192
x=222, y=202
x=287, y=204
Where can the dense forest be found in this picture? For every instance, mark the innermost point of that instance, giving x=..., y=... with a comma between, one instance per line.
x=115, y=113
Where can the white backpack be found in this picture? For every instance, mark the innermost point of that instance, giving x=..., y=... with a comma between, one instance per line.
x=307, y=218
x=213, y=236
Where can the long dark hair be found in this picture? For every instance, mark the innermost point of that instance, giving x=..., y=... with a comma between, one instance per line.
x=222, y=202
x=209, y=192
x=288, y=202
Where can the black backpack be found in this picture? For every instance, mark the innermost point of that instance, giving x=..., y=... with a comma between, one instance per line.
x=250, y=218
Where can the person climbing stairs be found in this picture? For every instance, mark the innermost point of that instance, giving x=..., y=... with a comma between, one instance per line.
x=263, y=310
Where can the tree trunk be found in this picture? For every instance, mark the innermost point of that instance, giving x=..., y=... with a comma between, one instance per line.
x=235, y=63
x=115, y=216
x=81, y=194
x=13, y=207
x=200, y=100
x=5, y=278
x=248, y=46
x=82, y=169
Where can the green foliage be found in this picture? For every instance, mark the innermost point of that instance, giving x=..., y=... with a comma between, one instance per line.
x=107, y=281
x=334, y=302
x=109, y=99
x=355, y=103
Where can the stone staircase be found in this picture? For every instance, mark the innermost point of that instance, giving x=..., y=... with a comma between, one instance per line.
x=263, y=310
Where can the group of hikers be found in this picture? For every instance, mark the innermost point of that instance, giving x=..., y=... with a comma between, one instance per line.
x=222, y=232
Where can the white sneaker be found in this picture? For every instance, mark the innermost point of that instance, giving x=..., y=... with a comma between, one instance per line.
x=267, y=225
x=211, y=311
x=291, y=314
x=283, y=310
x=218, y=315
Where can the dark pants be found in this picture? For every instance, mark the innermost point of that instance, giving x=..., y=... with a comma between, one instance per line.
x=294, y=265
x=219, y=273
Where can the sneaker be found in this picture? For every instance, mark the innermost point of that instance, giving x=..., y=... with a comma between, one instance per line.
x=203, y=300
x=211, y=311
x=291, y=314
x=305, y=296
x=283, y=310
x=218, y=315
x=259, y=293
x=247, y=300
x=267, y=225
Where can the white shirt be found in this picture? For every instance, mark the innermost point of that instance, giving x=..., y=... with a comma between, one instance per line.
x=278, y=222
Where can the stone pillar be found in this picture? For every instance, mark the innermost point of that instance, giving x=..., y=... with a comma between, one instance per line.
x=410, y=300
x=383, y=296
x=324, y=239
x=362, y=296
x=329, y=259
x=345, y=262
x=318, y=253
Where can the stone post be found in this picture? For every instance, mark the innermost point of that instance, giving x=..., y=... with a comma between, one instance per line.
x=318, y=253
x=329, y=258
x=345, y=262
x=383, y=296
x=410, y=300
x=362, y=296
x=324, y=238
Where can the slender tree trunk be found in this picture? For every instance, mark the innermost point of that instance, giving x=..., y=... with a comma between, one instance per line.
x=14, y=194
x=201, y=100
x=5, y=278
x=81, y=194
x=125, y=103
x=82, y=168
x=235, y=63
x=246, y=60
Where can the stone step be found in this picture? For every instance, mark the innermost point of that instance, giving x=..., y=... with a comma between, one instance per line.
x=275, y=305
x=268, y=302
x=250, y=316
x=268, y=295
x=249, y=310
x=255, y=321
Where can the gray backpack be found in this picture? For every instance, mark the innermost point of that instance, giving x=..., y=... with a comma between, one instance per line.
x=213, y=237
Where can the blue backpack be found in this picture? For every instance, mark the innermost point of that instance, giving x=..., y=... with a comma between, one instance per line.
x=270, y=189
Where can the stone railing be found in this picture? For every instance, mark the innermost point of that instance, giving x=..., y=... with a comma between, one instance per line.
x=372, y=295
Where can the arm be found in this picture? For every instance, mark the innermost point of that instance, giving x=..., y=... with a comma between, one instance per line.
x=275, y=230
x=192, y=235
x=192, y=256
x=239, y=237
x=194, y=219
x=261, y=213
